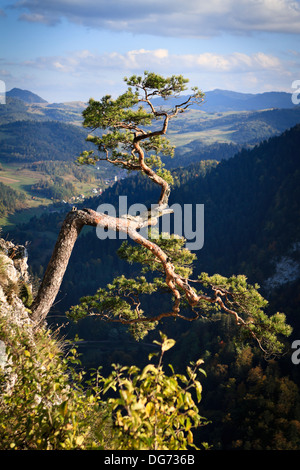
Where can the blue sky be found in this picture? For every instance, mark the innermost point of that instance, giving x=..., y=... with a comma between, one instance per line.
x=66, y=50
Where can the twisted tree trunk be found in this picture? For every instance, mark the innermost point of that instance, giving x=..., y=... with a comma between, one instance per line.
x=69, y=232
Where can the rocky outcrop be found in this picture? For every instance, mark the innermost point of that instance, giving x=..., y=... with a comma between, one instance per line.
x=286, y=269
x=15, y=294
x=17, y=256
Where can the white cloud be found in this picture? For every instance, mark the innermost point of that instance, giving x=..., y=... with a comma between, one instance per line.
x=5, y=74
x=141, y=59
x=77, y=75
x=37, y=18
x=192, y=18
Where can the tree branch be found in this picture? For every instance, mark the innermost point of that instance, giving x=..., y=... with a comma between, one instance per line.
x=69, y=232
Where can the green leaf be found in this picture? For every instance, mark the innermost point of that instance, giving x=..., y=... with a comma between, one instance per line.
x=147, y=369
x=152, y=355
x=167, y=344
x=63, y=408
x=198, y=387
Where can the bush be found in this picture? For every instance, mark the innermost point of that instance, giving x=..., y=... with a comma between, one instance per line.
x=43, y=406
x=151, y=410
x=46, y=405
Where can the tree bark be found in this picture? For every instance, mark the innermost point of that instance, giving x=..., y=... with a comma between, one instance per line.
x=69, y=232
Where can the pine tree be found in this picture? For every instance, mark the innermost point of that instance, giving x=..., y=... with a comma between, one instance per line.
x=130, y=133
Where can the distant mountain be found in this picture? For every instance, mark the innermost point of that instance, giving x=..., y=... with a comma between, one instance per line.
x=25, y=95
x=225, y=100
x=219, y=136
x=38, y=131
x=17, y=109
x=215, y=100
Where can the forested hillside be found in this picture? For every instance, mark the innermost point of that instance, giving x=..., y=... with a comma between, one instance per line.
x=44, y=131
x=34, y=141
x=251, y=207
x=219, y=136
x=10, y=200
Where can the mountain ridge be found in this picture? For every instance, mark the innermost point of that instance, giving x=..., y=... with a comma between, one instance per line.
x=247, y=101
x=196, y=135
x=226, y=100
x=25, y=95
x=216, y=100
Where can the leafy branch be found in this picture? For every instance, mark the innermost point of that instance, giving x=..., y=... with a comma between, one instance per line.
x=150, y=409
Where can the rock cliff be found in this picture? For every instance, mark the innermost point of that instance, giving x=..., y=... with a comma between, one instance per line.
x=15, y=294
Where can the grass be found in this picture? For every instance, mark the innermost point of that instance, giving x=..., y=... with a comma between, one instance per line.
x=19, y=178
x=209, y=128
x=207, y=137
x=22, y=216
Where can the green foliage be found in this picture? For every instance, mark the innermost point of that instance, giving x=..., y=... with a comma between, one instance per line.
x=121, y=300
x=40, y=408
x=10, y=200
x=46, y=405
x=245, y=301
x=158, y=85
x=132, y=289
x=25, y=294
x=152, y=85
x=171, y=244
x=55, y=188
x=152, y=410
x=125, y=118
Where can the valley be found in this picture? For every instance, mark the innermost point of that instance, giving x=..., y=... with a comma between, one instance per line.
x=37, y=184
x=32, y=130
